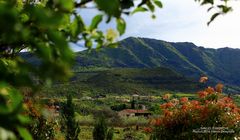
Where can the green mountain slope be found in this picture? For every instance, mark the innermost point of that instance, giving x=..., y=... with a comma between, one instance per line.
x=96, y=81
x=221, y=65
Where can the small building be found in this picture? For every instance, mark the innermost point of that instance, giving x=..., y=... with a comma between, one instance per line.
x=134, y=112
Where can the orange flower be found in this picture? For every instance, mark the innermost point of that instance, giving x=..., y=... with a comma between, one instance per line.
x=163, y=106
x=202, y=94
x=219, y=87
x=221, y=104
x=184, y=99
x=210, y=90
x=174, y=101
x=194, y=102
x=158, y=122
x=148, y=129
x=232, y=106
x=207, y=102
x=184, y=108
x=235, y=110
x=166, y=96
x=152, y=121
x=198, y=107
x=204, y=112
x=203, y=79
x=169, y=105
x=166, y=105
x=227, y=99
x=168, y=113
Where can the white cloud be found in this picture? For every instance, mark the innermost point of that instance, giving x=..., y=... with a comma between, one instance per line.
x=181, y=21
x=187, y=21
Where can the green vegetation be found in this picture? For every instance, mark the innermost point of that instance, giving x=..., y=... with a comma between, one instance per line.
x=72, y=128
x=44, y=29
x=220, y=65
x=107, y=81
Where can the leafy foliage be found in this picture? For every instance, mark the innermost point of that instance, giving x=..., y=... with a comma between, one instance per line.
x=221, y=6
x=10, y=109
x=45, y=28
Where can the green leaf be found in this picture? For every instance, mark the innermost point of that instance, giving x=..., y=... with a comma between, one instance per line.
x=66, y=4
x=224, y=8
x=209, y=9
x=150, y=6
x=25, y=135
x=207, y=2
x=213, y=17
x=23, y=119
x=24, y=18
x=153, y=16
x=12, y=96
x=158, y=3
x=76, y=26
x=139, y=9
x=95, y=21
x=126, y=4
x=16, y=99
x=121, y=26
x=88, y=43
x=111, y=7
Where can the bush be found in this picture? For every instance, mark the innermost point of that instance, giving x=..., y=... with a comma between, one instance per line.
x=135, y=121
x=85, y=120
x=112, y=117
x=212, y=116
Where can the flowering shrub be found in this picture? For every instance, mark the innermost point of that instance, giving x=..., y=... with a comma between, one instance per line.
x=44, y=123
x=211, y=116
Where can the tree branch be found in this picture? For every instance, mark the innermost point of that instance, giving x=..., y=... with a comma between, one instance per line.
x=82, y=3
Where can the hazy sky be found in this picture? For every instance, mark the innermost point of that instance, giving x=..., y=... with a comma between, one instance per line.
x=182, y=21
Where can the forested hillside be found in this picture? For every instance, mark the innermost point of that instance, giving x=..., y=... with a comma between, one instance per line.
x=221, y=65
x=122, y=81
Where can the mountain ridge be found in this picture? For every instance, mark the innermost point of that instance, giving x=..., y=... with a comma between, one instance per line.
x=184, y=57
